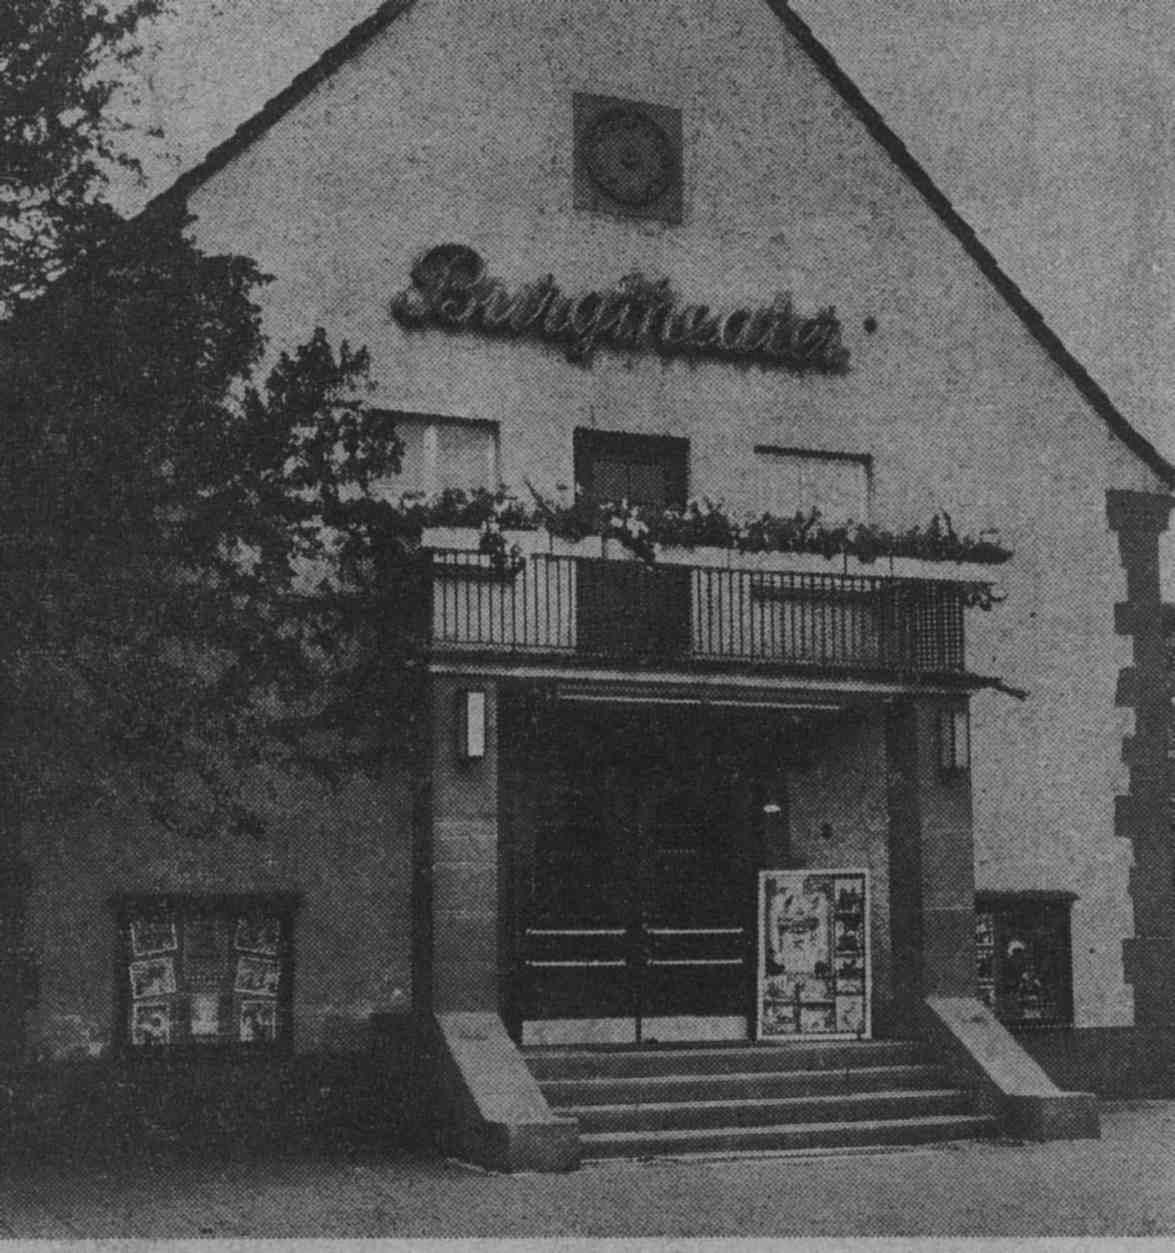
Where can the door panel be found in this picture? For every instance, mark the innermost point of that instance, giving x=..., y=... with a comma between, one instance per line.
x=638, y=894
x=627, y=609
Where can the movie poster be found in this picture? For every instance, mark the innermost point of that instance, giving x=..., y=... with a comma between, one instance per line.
x=151, y=936
x=152, y=977
x=257, y=976
x=257, y=1022
x=151, y=1023
x=814, y=972
x=258, y=935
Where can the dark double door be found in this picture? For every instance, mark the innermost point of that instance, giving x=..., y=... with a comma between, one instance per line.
x=635, y=868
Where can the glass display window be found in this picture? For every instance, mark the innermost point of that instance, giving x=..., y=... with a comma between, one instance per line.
x=204, y=972
x=1023, y=957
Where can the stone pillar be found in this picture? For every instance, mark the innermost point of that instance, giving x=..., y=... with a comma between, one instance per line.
x=457, y=863
x=1141, y=816
x=478, y=1096
x=932, y=903
x=932, y=861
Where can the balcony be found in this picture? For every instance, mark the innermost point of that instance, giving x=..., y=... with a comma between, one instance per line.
x=675, y=615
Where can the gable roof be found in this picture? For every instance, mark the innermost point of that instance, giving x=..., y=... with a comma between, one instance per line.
x=1024, y=309
x=362, y=34
x=274, y=110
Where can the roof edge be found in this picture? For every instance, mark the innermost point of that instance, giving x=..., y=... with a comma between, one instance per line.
x=1027, y=312
x=276, y=108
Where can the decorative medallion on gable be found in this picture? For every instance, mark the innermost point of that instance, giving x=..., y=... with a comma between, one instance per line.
x=628, y=158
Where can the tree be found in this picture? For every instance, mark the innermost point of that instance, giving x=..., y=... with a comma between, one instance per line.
x=197, y=567
x=187, y=554
x=61, y=62
x=197, y=584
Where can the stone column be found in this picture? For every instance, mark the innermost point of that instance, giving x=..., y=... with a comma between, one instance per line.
x=932, y=861
x=457, y=862
x=1142, y=815
x=477, y=1094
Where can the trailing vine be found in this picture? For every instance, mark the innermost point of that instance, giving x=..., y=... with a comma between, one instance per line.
x=701, y=523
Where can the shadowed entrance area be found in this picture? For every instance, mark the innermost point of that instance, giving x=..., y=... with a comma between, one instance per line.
x=635, y=834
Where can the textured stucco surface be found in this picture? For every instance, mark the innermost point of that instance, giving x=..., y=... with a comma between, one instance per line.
x=837, y=818
x=455, y=124
x=1049, y=125
x=347, y=853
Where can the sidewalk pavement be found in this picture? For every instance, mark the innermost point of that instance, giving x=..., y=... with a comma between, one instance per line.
x=1121, y=1185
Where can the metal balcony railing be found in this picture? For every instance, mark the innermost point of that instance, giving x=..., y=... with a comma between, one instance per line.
x=676, y=614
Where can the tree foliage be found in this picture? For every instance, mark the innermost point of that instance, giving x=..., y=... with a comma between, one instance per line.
x=61, y=62
x=197, y=560
x=195, y=564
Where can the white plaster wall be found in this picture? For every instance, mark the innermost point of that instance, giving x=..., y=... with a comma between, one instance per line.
x=455, y=124
x=347, y=853
x=1049, y=125
x=838, y=819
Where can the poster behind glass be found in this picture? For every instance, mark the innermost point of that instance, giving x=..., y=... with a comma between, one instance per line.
x=814, y=972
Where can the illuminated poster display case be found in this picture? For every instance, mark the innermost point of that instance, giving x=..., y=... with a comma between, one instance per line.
x=814, y=976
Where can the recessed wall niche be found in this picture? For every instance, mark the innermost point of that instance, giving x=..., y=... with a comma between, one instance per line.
x=628, y=158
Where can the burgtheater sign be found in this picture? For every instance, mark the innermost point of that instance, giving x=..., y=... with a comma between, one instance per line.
x=452, y=290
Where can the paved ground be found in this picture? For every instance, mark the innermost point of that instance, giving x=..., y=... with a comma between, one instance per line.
x=1123, y=1184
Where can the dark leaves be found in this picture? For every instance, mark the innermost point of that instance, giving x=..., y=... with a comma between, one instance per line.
x=199, y=570
x=60, y=62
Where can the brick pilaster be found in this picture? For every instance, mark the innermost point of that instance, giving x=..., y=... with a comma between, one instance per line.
x=1141, y=816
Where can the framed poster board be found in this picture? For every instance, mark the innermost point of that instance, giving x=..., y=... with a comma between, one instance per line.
x=814, y=972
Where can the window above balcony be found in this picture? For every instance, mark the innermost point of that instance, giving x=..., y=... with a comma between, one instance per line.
x=647, y=470
x=798, y=480
x=442, y=453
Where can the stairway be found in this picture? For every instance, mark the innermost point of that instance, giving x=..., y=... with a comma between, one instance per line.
x=705, y=1099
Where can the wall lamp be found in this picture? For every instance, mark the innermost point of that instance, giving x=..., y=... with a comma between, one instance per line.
x=954, y=741
x=471, y=724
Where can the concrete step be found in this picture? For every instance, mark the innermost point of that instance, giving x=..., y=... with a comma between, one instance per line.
x=730, y=1085
x=749, y=1097
x=787, y=1136
x=568, y=1062
x=696, y=1115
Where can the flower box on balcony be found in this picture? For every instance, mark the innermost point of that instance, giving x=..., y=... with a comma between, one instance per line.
x=591, y=546
x=814, y=563
x=467, y=539
x=477, y=568
x=463, y=538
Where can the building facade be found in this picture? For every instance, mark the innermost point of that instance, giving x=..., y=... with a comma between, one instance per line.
x=719, y=278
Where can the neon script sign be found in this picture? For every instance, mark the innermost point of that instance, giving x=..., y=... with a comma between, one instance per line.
x=452, y=290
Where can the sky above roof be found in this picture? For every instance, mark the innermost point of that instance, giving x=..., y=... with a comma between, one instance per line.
x=1046, y=123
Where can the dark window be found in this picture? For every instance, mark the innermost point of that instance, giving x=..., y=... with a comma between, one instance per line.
x=205, y=972
x=1023, y=957
x=648, y=470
